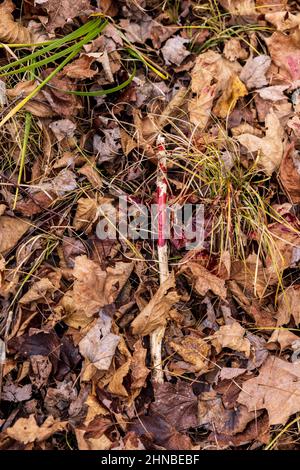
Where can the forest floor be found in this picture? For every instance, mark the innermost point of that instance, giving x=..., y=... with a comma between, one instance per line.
x=149, y=231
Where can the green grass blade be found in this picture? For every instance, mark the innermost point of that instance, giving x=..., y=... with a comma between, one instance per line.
x=88, y=27
x=23, y=154
x=104, y=92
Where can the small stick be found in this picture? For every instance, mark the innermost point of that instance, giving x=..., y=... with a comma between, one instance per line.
x=162, y=251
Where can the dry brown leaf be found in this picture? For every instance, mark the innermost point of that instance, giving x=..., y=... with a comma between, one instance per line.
x=277, y=389
x=62, y=128
x=86, y=214
x=90, y=171
x=99, y=344
x=156, y=311
x=289, y=305
x=211, y=66
x=283, y=20
x=11, y=230
x=252, y=275
x=139, y=371
x=194, y=351
x=182, y=416
x=12, y=32
x=240, y=7
x=267, y=6
x=273, y=93
x=231, y=336
x=174, y=51
x=229, y=373
x=289, y=173
x=200, y=106
x=214, y=416
x=27, y=430
x=94, y=288
x=80, y=68
x=285, y=53
x=203, y=280
x=62, y=11
x=40, y=289
x=226, y=103
x=116, y=382
x=254, y=71
x=284, y=337
x=270, y=146
x=62, y=103
x=233, y=50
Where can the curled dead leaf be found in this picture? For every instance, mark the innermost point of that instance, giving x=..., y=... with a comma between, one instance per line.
x=231, y=336
x=203, y=280
x=156, y=311
x=194, y=351
x=11, y=31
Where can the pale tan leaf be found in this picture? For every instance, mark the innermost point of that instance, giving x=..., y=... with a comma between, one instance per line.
x=116, y=382
x=27, y=430
x=12, y=32
x=203, y=280
x=231, y=336
x=99, y=344
x=277, y=389
x=200, y=106
x=193, y=350
x=156, y=311
x=86, y=213
x=211, y=66
x=41, y=288
x=139, y=371
x=95, y=288
x=270, y=146
x=289, y=305
x=254, y=71
x=11, y=230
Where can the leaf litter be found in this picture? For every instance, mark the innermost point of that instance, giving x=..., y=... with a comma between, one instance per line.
x=217, y=86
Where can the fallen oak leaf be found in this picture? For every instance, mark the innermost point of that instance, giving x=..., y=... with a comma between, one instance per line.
x=211, y=66
x=116, y=382
x=231, y=336
x=276, y=389
x=254, y=71
x=200, y=106
x=86, y=214
x=194, y=351
x=203, y=280
x=62, y=11
x=156, y=311
x=12, y=230
x=184, y=415
x=94, y=288
x=27, y=430
x=41, y=288
x=99, y=345
x=271, y=146
x=289, y=306
x=80, y=68
x=284, y=338
x=214, y=416
x=285, y=53
x=289, y=173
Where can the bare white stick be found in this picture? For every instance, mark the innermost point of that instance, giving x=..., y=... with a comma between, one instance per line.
x=156, y=337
